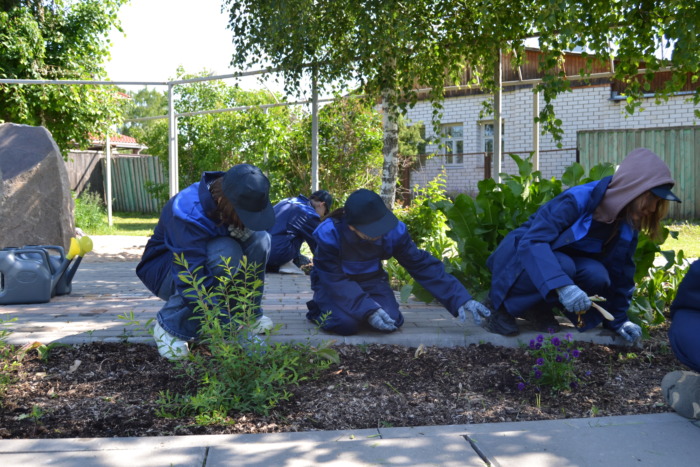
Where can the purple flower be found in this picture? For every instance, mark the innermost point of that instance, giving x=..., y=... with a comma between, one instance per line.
x=538, y=346
x=575, y=353
x=538, y=374
x=573, y=385
x=569, y=336
x=588, y=373
x=556, y=342
x=566, y=355
x=540, y=361
x=540, y=338
x=532, y=343
x=558, y=359
x=521, y=386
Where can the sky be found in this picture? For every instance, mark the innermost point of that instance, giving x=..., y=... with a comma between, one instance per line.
x=160, y=35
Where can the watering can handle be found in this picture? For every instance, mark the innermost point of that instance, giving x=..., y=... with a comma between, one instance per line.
x=61, y=254
x=40, y=251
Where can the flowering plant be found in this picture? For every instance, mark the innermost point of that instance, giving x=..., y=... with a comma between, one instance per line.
x=554, y=362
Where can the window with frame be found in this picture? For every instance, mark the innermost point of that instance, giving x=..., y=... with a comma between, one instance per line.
x=453, y=144
x=487, y=135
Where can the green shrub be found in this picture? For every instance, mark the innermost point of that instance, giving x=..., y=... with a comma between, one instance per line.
x=89, y=211
x=237, y=371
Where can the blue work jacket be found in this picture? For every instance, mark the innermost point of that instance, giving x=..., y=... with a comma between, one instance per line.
x=295, y=222
x=343, y=261
x=565, y=222
x=183, y=228
x=688, y=295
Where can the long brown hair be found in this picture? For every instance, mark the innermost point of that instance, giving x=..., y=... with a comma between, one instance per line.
x=651, y=223
x=225, y=213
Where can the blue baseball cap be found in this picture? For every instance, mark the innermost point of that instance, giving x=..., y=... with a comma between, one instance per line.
x=248, y=189
x=365, y=211
x=664, y=192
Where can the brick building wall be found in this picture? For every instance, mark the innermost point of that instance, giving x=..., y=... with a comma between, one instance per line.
x=585, y=108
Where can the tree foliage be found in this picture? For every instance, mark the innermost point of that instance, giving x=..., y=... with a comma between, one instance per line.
x=389, y=46
x=58, y=39
x=349, y=150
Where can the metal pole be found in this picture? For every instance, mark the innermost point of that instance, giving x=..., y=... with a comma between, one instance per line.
x=108, y=150
x=535, y=130
x=314, y=130
x=172, y=144
x=497, y=147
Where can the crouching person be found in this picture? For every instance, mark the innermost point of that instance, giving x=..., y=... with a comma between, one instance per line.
x=224, y=215
x=681, y=389
x=580, y=244
x=351, y=288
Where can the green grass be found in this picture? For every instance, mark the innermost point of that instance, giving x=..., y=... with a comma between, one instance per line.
x=126, y=223
x=688, y=238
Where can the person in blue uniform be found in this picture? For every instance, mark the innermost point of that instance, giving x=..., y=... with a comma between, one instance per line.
x=681, y=389
x=295, y=221
x=225, y=214
x=580, y=244
x=351, y=289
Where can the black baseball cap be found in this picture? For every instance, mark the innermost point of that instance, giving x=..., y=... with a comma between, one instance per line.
x=323, y=196
x=664, y=192
x=365, y=210
x=248, y=189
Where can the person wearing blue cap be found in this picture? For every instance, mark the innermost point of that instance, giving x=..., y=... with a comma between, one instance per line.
x=295, y=221
x=581, y=244
x=224, y=215
x=681, y=389
x=351, y=288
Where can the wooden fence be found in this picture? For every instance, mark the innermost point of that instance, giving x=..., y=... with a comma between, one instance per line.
x=679, y=147
x=86, y=170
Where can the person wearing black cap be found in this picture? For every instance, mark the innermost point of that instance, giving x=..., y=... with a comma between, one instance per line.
x=351, y=288
x=581, y=244
x=295, y=222
x=226, y=214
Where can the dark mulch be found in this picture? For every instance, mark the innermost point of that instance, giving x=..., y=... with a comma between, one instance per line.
x=114, y=391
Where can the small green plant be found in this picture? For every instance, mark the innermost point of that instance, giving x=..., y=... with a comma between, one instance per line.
x=237, y=371
x=555, y=361
x=44, y=350
x=8, y=364
x=35, y=415
x=131, y=320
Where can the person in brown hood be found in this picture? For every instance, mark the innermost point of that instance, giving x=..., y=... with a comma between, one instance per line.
x=578, y=245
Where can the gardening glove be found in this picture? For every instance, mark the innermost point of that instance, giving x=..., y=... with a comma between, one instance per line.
x=574, y=299
x=630, y=331
x=382, y=321
x=241, y=234
x=477, y=309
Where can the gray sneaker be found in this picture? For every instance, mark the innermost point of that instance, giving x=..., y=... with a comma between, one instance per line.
x=681, y=389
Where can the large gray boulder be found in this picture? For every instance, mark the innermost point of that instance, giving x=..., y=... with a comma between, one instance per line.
x=36, y=207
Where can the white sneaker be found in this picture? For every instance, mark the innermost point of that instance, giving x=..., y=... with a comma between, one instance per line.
x=290, y=268
x=263, y=325
x=169, y=346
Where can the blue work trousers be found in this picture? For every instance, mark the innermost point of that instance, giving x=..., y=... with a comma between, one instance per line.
x=588, y=274
x=346, y=324
x=176, y=317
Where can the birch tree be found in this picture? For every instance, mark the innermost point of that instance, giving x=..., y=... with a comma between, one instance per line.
x=392, y=47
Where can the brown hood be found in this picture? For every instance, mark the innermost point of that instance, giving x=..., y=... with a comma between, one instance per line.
x=639, y=172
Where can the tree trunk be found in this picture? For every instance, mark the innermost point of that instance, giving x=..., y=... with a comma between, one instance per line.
x=390, y=149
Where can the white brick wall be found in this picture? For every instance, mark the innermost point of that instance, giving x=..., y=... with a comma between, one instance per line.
x=585, y=108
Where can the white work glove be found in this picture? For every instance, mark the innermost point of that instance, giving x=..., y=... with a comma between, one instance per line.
x=630, y=331
x=382, y=321
x=241, y=234
x=477, y=309
x=574, y=299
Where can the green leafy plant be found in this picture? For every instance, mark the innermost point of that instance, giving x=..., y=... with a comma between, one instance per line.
x=237, y=371
x=8, y=364
x=89, y=211
x=44, y=350
x=555, y=361
x=477, y=225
